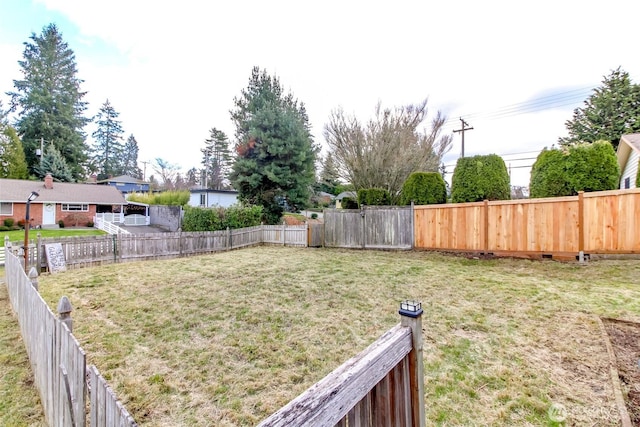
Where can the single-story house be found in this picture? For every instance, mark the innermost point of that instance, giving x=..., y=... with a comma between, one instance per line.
x=71, y=203
x=628, y=159
x=126, y=184
x=207, y=198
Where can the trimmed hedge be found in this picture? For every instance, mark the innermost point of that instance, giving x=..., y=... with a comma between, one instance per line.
x=424, y=188
x=480, y=178
x=374, y=197
x=212, y=219
x=349, y=203
x=582, y=167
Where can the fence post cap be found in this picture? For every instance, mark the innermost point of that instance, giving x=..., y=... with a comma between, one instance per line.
x=33, y=273
x=64, y=306
x=410, y=308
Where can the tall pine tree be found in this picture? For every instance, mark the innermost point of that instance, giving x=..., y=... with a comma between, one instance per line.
x=215, y=159
x=610, y=112
x=275, y=167
x=48, y=101
x=108, y=150
x=12, y=162
x=54, y=163
x=130, y=163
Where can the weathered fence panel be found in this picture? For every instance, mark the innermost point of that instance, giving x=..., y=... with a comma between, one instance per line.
x=105, y=409
x=373, y=227
x=243, y=237
x=381, y=386
x=286, y=235
x=57, y=360
x=315, y=238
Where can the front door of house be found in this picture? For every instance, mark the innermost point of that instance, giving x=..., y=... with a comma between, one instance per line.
x=49, y=214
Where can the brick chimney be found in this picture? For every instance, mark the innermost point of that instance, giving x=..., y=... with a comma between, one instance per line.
x=48, y=182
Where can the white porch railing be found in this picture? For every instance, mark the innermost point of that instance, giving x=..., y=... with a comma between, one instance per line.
x=109, y=227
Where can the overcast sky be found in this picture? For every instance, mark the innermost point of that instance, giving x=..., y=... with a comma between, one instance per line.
x=514, y=70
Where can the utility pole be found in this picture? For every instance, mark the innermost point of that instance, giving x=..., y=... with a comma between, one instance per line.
x=464, y=127
x=144, y=170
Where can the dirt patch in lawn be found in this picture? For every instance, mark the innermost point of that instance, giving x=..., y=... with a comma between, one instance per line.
x=625, y=340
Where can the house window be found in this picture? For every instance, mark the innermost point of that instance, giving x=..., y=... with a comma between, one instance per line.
x=75, y=207
x=6, y=208
x=627, y=182
x=203, y=200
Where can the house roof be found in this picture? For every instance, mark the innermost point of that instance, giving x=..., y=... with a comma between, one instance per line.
x=17, y=191
x=123, y=179
x=627, y=144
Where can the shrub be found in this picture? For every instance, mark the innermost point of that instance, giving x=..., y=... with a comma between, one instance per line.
x=314, y=216
x=480, y=178
x=212, y=219
x=166, y=198
x=61, y=223
x=374, y=197
x=4, y=228
x=8, y=222
x=21, y=223
x=424, y=188
x=580, y=167
x=90, y=224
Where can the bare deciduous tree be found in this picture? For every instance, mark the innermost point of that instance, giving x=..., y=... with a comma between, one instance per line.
x=385, y=151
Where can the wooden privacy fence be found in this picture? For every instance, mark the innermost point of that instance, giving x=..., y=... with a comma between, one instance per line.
x=605, y=222
x=372, y=227
x=57, y=360
x=381, y=386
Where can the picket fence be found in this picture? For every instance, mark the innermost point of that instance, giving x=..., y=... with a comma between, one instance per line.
x=57, y=361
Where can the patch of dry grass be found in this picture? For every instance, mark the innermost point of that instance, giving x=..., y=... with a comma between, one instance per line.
x=229, y=338
x=19, y=400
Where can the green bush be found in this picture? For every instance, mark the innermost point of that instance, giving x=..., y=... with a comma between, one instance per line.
x=581, y=167
x=90, y=224
x=8, y=222
x=480, y=178
x=166, y=198
x=314, y=216
x=4, y=228
x=212, y=219
x=373, y=197
x=424, y=188
x=61, y=223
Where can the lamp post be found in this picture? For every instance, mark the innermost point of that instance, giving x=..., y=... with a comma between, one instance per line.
x=30, y=199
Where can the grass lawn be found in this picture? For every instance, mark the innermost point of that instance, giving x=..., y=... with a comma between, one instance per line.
x=227, y=339
x=18, y=235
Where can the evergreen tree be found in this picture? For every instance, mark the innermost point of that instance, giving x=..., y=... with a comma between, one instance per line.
x=108, y=151
x=54, y=163
x=610, y=112
x=329, y=177
x=215, y=159
x=275, y=167
x=12, y=162
x=48, y=101
x=130, y=158
x=192, y=177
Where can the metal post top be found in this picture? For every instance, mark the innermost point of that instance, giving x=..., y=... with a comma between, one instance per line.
x=411, y=308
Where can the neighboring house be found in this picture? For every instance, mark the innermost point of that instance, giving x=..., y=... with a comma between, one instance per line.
x=126, y=184
x=351, y=194
x=74, y=204
x=206, y=198
x=628, y=158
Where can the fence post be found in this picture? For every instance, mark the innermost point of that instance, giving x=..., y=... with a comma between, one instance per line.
x=38, y=251
x=284, y=230
x=413, y=226
x=363, y=229
x=229, y=242
x=64, y=310
x=6, y=241
x=486, y=227
x=33, y=276
x=581, y=227
x=411, y=316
